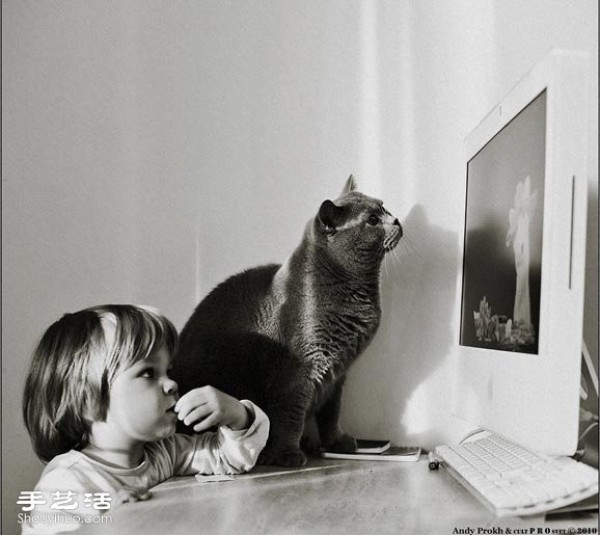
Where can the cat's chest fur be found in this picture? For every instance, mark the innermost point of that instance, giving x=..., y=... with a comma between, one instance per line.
x=323, y=317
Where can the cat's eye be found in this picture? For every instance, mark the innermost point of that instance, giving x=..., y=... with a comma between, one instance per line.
x=373, y=220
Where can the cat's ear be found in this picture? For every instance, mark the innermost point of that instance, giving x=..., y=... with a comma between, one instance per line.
x=331, y=216
x=350, y=185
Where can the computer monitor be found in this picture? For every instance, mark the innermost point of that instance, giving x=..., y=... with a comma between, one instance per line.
x=521, y=311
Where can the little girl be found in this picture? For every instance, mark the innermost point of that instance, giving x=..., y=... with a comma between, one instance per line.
x=101, y=410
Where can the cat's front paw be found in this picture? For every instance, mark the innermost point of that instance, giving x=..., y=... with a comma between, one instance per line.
x=266, y=457
x=343, y=444
x=310, y=446
x=291, y=457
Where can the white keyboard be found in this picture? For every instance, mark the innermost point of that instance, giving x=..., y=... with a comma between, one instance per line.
x=513, y=481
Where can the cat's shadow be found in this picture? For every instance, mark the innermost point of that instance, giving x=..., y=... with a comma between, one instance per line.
x=400, y=388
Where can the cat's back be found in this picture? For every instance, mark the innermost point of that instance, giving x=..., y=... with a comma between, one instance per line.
x=237, y=304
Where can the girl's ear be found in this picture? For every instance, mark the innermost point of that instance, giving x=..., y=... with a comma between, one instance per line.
x=331, y=216
x=91, y=416
x=93, y=409
x=350, y=185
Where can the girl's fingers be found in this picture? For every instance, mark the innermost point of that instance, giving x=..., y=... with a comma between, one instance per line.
x=127, y=495
x=207, y=423
x=198, y=396
x=206, y=407
x=189, y=402
x=195, y=415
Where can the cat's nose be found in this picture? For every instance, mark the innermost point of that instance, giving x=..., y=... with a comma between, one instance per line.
x=400, y=230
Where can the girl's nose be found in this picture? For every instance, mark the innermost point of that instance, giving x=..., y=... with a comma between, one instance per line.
x=170, y=387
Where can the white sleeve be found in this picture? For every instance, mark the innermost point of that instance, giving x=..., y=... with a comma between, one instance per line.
x=225, y=451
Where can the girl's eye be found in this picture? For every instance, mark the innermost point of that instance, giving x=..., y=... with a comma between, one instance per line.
x=373, y=220
x=148, y=373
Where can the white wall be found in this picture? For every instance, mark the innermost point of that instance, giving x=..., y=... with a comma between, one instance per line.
x=84, y=222
x=455, y=61
x=150, y=149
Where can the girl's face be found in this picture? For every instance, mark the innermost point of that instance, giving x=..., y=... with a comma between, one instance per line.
x=142, y=399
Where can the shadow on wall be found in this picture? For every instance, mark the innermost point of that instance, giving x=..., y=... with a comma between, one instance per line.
x=401, y=387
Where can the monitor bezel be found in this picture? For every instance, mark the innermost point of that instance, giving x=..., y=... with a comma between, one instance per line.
x=534, y=398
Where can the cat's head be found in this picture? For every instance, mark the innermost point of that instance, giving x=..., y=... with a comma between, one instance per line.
x=356, y=230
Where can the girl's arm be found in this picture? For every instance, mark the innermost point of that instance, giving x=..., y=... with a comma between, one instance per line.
x=226, y=451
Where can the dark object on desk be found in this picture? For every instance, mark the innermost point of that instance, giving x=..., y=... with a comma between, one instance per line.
x=434, y=463
x=285, y=336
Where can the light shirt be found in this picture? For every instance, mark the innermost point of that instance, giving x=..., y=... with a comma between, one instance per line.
x=91, y=484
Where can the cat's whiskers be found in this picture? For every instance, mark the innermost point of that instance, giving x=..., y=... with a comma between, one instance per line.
x=409, y=246
x=397, y=257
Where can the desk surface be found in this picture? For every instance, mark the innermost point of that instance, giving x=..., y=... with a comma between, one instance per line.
x=327, y=497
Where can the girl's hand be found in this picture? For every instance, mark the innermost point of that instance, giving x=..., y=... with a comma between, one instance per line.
x=129, y=495
x=209, y=407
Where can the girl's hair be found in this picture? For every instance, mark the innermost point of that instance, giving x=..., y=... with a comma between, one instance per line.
x=75, y=364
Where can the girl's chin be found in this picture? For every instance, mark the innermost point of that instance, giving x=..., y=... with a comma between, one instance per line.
x=166, y=430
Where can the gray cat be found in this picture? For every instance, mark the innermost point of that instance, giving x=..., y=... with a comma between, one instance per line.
x=285, y=335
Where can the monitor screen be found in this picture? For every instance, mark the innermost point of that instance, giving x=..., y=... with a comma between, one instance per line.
x=519, y=321
x=502, y=267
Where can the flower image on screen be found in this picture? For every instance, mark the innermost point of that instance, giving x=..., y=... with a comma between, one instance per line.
x=503, y=236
